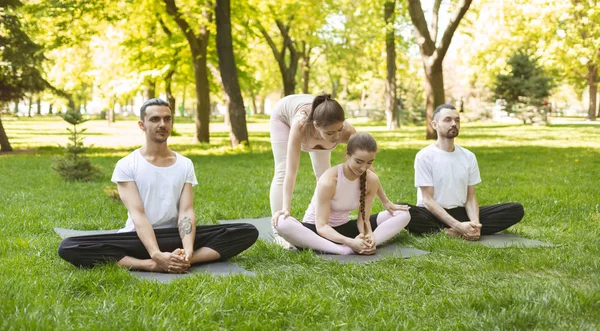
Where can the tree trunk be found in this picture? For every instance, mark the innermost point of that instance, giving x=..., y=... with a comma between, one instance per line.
x=434, y=88
x=4, y=143
x=305, y=77
x=39, y=105
x=335, y=83
x=305, y=67
x=183, y=98
x=432, y=52
x=593, y=87
x=390, y=83
x=363, y=99
x=253, y=96
x=150, y=88
x=198, y=44
x=263, y=100
x=288, y=73
x=50, y=108
x=237, y=113
x=112, y=112
x=110, y=115
x=30, y=104
x=202, y=99
x=289, y=82
x=169, y=93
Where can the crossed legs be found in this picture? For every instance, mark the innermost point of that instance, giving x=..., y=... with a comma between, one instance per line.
x=304, y=235
x=213, y=243
x=494, y=218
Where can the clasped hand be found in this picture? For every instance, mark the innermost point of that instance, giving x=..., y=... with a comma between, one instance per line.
x=469, y=230
x=176, y=262
x=363, y=244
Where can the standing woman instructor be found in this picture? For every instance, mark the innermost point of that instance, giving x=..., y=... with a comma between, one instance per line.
x=301, y=122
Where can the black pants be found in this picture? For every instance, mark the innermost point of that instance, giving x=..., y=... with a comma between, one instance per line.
x=349, y=229
x=86, y=251
x=493, y=218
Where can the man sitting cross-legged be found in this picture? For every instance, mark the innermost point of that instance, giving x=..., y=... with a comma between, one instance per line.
x=446, y=175
x=161, y=235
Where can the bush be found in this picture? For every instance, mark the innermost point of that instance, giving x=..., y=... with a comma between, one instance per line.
x=74, y=166
x=80, y=168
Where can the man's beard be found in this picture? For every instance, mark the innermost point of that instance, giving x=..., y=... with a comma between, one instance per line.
x=452, y=133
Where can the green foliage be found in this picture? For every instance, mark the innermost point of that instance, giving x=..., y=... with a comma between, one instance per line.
x=526, y=82
x=73, y=166
x=20, y=57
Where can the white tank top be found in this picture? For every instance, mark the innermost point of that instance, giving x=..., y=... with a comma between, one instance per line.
x=345, y=199
x=289, y=106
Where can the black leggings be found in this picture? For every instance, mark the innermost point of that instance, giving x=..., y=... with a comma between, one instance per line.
x=349, y=229
x=86, y=251
x=493, y=218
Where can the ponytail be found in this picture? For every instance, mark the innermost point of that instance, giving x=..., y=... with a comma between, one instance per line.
x=325, y=111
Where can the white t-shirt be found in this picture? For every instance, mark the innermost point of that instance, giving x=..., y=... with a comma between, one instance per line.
x=450, y=173
x=160, y=187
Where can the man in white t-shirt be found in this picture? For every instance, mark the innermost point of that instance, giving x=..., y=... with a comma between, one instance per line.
x=445, y=177
x=155, y=185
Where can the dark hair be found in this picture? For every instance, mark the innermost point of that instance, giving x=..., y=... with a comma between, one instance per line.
x=325, y=111
x=440, y=107
x=362, y=141
x=152, y=102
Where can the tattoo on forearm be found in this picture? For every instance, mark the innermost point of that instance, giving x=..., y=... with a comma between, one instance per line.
x=185, y=226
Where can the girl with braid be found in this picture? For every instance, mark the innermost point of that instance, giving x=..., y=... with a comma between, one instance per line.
x=301, y=122
x=352, y=185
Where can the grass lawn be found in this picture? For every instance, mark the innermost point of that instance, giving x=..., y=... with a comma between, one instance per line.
x=553, y=171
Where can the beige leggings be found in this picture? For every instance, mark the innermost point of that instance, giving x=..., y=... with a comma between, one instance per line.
x=321, y=161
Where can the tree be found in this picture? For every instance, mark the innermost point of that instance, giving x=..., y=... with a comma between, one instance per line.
x=577, y=46
x=20, y=61
x=66, y=30
x=286, y=68
x=391, y=102
x=526, y=82
x=228, y=69
x=432, y=53
x=295, y=32
x=73, y=165
x=198, y=43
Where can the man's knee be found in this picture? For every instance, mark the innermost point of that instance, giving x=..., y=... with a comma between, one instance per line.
x=250, y=231
x=66, y=252
x=517, y=210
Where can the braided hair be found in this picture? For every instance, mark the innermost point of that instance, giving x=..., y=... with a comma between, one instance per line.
x=364, y=142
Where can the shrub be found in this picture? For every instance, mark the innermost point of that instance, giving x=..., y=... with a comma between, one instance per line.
x=73, y=165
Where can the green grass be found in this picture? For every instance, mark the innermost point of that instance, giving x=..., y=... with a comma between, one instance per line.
x=553, y=171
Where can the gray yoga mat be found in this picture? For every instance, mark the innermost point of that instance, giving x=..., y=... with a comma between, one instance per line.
x=66, y=233
x=501, y=240
x=215, y=269
x=263, y=225
x=394, y=250
x=266, y=233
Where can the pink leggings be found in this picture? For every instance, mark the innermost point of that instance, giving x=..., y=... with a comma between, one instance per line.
x=301, y=236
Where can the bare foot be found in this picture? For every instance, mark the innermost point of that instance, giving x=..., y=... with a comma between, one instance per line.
x=452, y=233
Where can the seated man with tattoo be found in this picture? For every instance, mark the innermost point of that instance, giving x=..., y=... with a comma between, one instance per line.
x=155, y=185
